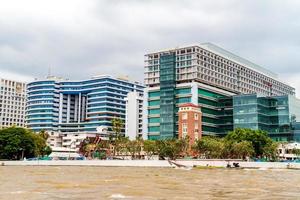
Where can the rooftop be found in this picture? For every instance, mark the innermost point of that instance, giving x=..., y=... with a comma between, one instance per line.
x=218, y=50
x=66, y=80
x=189, y=105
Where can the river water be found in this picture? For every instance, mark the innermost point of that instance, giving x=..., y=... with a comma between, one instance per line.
x=42, y=182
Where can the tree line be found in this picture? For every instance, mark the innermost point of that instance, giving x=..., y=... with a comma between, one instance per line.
x=237, y=144
x=17, y=143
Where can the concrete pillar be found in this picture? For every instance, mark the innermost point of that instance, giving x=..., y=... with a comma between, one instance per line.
x=79, y=108
x=75, y=108
x=194, y=91
x=83, y=108
x=60, y=112
x=145, y=114
x=68, y=108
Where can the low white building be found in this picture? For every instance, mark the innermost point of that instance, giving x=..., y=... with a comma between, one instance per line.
x=62, y=152
x=134, y=115
x=67, y=140
x=286, y=151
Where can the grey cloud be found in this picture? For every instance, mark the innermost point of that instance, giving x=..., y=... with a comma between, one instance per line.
x=112, y=36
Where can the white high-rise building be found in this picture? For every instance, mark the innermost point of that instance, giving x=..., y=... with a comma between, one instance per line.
x=12, y=103
x=134, y=115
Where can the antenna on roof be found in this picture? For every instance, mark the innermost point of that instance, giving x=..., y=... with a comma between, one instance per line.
x=49, y=72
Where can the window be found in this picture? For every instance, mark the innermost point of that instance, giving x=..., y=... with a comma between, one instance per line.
x=196, y=116
x=184, y=130
x=184, y=115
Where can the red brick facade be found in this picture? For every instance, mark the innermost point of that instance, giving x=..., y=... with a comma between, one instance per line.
x=190, y=122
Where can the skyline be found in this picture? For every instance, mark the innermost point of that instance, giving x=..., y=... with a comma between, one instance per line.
x=103, y=37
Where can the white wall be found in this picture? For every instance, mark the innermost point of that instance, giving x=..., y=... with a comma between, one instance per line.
x=132, y=115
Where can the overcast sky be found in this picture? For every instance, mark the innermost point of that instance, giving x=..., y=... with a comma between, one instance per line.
x=78, y=39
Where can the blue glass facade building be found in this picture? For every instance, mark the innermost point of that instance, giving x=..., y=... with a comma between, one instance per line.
x=76, y=106
x=277, y=115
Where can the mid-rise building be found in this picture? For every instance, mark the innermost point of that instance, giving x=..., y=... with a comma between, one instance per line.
x=71, y=140
x=205, y=75
x=134, y=115
x=12, y=103
x=58, y=105
x=288, y=151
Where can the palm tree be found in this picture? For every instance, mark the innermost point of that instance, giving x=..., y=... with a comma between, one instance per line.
x=117, y=125
x=44, y=134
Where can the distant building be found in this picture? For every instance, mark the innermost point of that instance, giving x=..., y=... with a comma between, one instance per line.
x=134, y=115
x=189, y=122
x=286, y=151
x=12, y=103
x=71, y=140
x=58, y=105
x=205, y=75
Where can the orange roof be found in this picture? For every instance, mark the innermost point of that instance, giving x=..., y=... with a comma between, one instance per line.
x=189, y=105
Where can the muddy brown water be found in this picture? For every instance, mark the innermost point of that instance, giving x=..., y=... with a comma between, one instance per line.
x=75, y=182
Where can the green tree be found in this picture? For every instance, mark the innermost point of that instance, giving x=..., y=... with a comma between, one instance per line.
x=103, y=148
x=150, y=148
x=170, y=148
x=44, y=134
x=242, y=149
x=40, y=145
x=117, y=125
x=296, y=152
x=47, y=151
x=270, y=151
x=134, y=148
x=184, y=144
x=16, y=143
x=210, y=147
x=258, y=138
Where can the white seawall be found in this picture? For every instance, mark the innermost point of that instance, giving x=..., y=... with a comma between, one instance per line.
x=152, y=163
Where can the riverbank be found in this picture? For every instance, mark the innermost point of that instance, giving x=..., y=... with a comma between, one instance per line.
x=154, y=163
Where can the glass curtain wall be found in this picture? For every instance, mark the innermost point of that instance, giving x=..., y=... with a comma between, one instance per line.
x=245, y=111
x=167, y=96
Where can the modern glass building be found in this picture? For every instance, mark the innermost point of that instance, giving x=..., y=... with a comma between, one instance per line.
x=76, y=106
x=216, y=107
x=205, y=75
x=278, y=115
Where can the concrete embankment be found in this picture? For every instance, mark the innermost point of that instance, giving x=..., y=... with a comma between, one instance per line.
x=242, y=164
x=153, y=163
x=103, y=163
